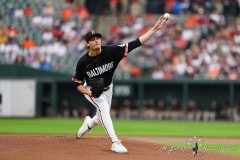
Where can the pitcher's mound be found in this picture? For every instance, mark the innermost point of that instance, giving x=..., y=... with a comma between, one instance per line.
x=49, y=147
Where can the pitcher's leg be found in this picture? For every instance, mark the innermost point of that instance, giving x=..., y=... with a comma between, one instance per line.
x=103, y=105
x=104, y=113
x=108, y=95
x=95, y=120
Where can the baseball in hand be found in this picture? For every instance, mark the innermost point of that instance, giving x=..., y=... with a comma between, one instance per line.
x=166, y=16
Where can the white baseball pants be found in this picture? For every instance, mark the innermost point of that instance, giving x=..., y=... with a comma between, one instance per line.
x=103, y=106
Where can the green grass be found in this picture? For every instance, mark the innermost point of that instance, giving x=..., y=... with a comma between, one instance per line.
x=122, y=127
x=205, y=147
x=57, y=126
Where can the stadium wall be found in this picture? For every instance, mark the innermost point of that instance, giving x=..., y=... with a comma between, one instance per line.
x=52, y=92
x=52, y=88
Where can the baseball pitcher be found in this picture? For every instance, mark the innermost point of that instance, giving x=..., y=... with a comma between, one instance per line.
x=93, y=78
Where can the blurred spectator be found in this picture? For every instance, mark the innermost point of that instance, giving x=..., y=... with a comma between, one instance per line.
x=149, y=109
x=11, y=46
x=67, y=13
x=68, y=29
x=236, y=111
x=193, y=111
x=114, y=109
x=84, y=111
x=12, y=32
x=57, y=32
x=64, y=111
x=176, y=111
x=49, y=10
x=20, y=60
x=18, y=13
x=3, y=35
x=37, y=20
x=47, y=35
x=212, y=111
x=46, y=62
x=135, y=109
x=82, y=12
x=225, y=112
x=75, y=113
x=62, y=50
x=157, y=73
x=161, y=110
x=233, y=75
x=125, y=112
x=10, y=10
x=169, y=4
x=27, y=11
x=28, y=43
x=46, y=22
x=34, y=60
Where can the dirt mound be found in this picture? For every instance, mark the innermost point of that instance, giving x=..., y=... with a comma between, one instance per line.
x=49, y=147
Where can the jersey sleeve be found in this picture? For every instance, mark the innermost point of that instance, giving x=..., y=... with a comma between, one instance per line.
x=124, y=49
x=78, y=76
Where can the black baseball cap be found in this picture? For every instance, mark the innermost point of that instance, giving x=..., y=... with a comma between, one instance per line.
x=92, y=34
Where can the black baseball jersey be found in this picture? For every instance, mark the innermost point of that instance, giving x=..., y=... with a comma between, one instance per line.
x=104, y=64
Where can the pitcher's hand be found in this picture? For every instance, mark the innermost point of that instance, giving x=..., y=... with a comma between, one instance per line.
x=160, y=23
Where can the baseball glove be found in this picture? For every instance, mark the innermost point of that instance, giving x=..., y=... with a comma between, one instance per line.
x=97, y=86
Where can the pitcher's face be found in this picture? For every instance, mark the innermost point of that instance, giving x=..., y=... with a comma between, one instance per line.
x=94, y=43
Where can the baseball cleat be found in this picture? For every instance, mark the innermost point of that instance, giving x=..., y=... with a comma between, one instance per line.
x=84, y=128
x=118, y=147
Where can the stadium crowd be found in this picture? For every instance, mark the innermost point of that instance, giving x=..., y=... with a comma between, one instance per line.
x=201, y=40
